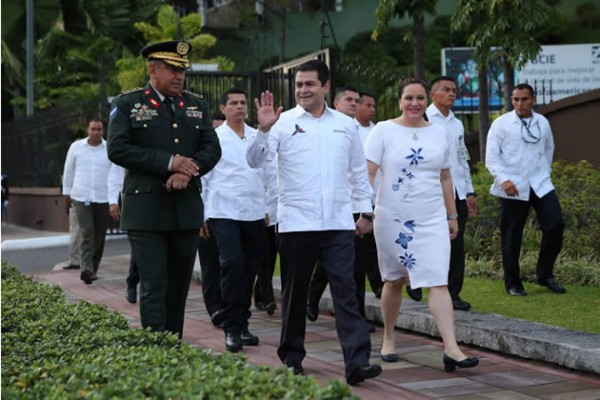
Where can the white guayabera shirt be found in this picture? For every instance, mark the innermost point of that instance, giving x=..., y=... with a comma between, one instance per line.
x=322, y=170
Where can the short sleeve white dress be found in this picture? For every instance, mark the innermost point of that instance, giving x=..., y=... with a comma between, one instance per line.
x=410, y=226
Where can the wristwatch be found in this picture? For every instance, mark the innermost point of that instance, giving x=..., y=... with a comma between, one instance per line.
x=368, y=217
x=452, y=216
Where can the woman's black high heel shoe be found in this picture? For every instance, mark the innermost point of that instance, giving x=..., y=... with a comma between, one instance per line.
x=450, y=364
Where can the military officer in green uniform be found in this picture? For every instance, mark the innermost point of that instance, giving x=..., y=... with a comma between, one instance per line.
x=163, y=136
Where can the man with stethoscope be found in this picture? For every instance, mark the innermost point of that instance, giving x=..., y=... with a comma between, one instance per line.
x=519, y=156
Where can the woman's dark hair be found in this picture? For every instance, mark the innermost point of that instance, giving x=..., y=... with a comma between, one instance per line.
x=412, y=81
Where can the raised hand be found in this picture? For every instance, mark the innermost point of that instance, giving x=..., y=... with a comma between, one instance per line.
x=267, y=114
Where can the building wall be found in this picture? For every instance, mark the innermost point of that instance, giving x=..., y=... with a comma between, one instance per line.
x=575, y=123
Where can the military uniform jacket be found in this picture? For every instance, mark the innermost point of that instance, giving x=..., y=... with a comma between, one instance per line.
x=143, y=135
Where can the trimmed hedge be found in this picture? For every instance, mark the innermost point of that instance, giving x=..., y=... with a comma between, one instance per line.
x=52, y=349
x=578, y=189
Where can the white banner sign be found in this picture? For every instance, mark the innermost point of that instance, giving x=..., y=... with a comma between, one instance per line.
x=558, y=71
x=567, y=70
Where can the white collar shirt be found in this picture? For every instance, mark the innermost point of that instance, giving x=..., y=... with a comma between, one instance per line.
x=85, y=176
x=234, y=190
x=363, y=132
x=322, y=170
x=511, y=156
x=458, y=154
x=116, y=174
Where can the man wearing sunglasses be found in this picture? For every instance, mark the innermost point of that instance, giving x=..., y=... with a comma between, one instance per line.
x=519, y=157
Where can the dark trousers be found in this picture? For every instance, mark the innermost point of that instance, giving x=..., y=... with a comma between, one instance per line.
x=93, y=222
x=165, y=261
x=512, y=223
x=298, y=253
x=365, y=265
x=263, y=288
x=456, y=273
x=211, y=273
x=241, y=247
x=133, y=275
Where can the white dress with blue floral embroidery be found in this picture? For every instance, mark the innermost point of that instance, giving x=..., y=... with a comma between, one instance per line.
x=410, y=226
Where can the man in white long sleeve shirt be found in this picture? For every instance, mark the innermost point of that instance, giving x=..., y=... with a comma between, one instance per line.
x=519, y=156
x=322, y=173
x=85, y=186
x=235, y=211
x=443, y=95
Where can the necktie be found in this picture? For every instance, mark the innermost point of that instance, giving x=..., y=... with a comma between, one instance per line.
x=169, y=105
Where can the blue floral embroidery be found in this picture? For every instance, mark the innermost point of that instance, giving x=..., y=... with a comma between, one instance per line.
x=403, y=240
x=408, y=261
x=395, y=187
x=410, y=225
x=415, y=157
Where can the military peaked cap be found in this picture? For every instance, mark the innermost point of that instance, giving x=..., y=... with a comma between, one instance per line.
x=174, y=52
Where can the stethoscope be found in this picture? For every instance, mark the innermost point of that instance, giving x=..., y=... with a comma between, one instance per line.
x=527, y=135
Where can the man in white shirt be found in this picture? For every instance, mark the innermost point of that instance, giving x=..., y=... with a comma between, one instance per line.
x=85, y=186
x=443, y=96
x=347, y=101
x=519, y=154
x=322, y=174
x=364, y=119
x=235, y=211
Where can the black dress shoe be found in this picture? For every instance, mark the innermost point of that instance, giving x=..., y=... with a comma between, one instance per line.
x=516, y=292
x=132, y=294
x=392, y=357
x=86, y=276
x=296, y=368
x=552, y=285
x=270, y=308
x=312, y=313
x=415, y=294
x=217, y=318
x=450, y=364
x=361, y=373
x=460, y=304
x=249, y=339
x=72, y=266
x=233, y=342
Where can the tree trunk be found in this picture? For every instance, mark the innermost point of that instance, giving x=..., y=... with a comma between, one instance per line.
x=102, y=92
x=484, y=109
x=509, y=84
x=419, y=46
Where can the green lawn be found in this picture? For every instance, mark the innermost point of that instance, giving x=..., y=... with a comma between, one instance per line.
x=578, y=309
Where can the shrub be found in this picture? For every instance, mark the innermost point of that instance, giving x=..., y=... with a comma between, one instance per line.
x=578, y=189
x=55, y=350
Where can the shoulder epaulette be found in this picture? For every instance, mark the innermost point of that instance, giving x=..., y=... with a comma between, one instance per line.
x=132, y=90
x=193, y=94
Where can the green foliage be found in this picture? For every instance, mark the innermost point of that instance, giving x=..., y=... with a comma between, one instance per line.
x=578, y=189
x=55, y=350
x=132, y=70
x=388, y=9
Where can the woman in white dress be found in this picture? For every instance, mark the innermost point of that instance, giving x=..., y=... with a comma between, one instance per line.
x=415, y=217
